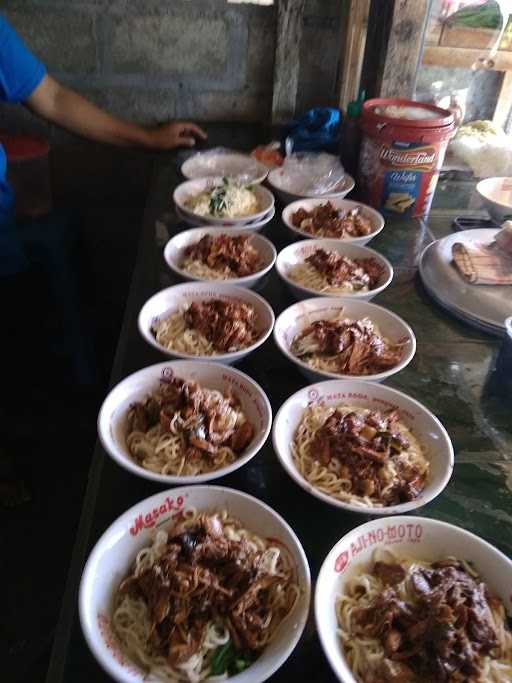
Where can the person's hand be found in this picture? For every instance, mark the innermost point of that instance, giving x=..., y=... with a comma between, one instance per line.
x=176, y=134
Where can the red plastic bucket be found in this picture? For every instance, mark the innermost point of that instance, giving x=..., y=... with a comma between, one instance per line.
x=402, y=151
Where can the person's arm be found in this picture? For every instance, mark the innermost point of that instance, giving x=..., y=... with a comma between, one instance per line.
x=70, y=110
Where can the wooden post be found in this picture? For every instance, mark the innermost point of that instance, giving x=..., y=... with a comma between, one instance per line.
x=287, y=59
x=353, y=54
x=405, y=47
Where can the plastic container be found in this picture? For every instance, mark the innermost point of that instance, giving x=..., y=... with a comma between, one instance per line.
x=402, y=151
x=28, y=172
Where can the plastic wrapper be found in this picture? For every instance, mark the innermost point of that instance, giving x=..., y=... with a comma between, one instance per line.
x=221, y=161
x=311, y=173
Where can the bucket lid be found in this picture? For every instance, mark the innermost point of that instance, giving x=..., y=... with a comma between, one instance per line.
x=23, y=147
x=437, y=117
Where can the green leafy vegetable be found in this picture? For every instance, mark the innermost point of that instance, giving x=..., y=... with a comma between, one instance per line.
x=228, y=659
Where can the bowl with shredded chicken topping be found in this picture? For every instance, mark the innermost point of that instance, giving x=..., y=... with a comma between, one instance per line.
x=239, y=570
x=222, y=201
x=205, y=254
x=211, y=321
x=415, y=600
x=184, y=421
x=363, y=446
x=333, y=338
x=333, y=268
x=337, y=219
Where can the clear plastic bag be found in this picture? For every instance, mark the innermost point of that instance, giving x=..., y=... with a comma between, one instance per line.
x=311, y=173
x=221, y=161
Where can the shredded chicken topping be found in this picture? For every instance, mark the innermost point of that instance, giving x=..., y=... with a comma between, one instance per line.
x=354, y=347
x=227, y=325
x=337, y=270
x=363, y=445
x=226, y=252
x=327, y=221
x=439, y=634
x=208, y=421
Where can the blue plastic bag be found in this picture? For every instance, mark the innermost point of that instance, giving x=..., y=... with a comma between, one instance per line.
x=318, y=129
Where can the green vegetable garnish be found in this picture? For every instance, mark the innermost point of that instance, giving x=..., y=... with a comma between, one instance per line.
x=228, y=659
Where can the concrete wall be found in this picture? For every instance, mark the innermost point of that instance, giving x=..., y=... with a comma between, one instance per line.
x=151, y=60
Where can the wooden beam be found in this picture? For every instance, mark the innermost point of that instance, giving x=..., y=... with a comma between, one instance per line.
x=287, y=60
x=504, y=104
x=353, y=54
x=405, y=46
x=465, y=58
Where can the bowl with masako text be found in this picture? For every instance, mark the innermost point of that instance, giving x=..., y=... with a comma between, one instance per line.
x=363, y=447
x=184, y=422
x=333, y=268
x=415, y=599
x=335, y=337
x=238, y=619
x=220, y=254
x=212, y=321
x=221, y=201
x=340, y=219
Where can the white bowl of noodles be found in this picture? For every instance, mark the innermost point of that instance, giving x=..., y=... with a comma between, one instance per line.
x=305, y=281
x=254, y=226
x=218, y=201
x=292, y=332
x=414, y=543
x=426, y=462
x=108, y=620
x=175, y=255
x=371, y=216
x=162, y=324
x=160, y=454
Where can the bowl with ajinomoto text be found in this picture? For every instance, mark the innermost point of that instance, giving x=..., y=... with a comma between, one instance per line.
x=184, y=421
x=415, y=599
x=213, y=321
x=238, y=620
x=336, y=337
x=327, y=267
x=223, y=201
x=208, y=254
x=363, y=447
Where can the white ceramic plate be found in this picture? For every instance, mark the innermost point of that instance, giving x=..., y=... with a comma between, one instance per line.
x=113, y=415
x=174, y=253
x=113, y=555
x=429, y=431
x=255, y=226
x=487, y=304
x=275, y=180
x=192, y=188
x=420, y=537
x=299, y=316
x=226, y=163
x=376, y=219
x=173, y=299
x=296, y=253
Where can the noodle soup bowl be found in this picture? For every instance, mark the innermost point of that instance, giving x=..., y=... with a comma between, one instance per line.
x=113, y=415
x=296, y=254
x=192, y=188
x=177, y=298
x=301, y=315
x=174, y=255
x=354, y=393
x=376, y=219
x=113, y=556
x=418, y=538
